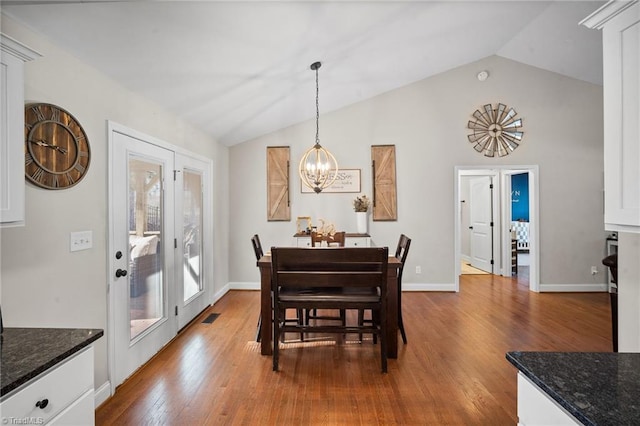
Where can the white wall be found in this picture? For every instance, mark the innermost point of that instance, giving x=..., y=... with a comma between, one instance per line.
x=42, y=283
x=427, y=123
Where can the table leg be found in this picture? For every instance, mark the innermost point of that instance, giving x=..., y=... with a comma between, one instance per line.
x=392, y=313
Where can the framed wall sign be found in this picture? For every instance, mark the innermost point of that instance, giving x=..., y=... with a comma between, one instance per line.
x=348, y=180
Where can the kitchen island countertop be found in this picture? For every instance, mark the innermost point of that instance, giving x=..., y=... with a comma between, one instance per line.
x=600, y=388
x=28, y=352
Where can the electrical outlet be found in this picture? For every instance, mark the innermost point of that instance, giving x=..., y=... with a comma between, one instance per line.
x=594, y=270
x=418, y=269
x=82, y=240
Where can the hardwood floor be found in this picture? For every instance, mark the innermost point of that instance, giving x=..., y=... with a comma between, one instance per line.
x=452, y=371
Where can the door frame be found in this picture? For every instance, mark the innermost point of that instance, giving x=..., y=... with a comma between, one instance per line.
x=208, y=236
x=502, y=235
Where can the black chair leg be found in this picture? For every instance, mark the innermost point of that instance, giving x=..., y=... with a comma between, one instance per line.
x=300, y=313
x=259, y=332
x=276, y=340
x=361, y=321
x=401, y=327
x=400, y=323
x=382, y=320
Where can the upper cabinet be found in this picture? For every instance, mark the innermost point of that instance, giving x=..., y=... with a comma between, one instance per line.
x=14, y=55
x=620, y=25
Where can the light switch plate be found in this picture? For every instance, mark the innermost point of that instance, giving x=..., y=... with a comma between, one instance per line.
x=81, y=240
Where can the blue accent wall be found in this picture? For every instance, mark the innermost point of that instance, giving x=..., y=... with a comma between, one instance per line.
x=520, y=197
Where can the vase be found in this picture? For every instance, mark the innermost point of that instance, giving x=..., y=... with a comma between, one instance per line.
x=361, y=222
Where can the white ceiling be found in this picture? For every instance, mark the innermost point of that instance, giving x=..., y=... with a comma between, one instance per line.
x=240, y=69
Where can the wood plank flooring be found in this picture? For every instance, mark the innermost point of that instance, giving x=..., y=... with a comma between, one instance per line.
x=453, y=371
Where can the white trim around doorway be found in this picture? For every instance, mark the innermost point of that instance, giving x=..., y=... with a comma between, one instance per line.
x=501, y=223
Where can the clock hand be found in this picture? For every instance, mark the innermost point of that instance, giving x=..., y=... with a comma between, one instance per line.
x=40, y=142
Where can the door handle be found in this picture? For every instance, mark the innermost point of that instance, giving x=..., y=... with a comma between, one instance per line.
x=121, y=273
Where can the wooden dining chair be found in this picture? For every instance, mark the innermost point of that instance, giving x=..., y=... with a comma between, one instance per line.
x=334, y=240
x=343, y=278
x=257, y=249
x=402, y=250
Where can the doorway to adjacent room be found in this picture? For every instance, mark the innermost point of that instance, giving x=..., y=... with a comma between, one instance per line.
x=496, y=226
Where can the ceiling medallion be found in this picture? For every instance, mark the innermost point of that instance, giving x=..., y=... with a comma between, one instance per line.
x=495, y=130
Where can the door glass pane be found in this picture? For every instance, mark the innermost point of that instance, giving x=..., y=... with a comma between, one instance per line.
x=192, y=243
x=146, y=289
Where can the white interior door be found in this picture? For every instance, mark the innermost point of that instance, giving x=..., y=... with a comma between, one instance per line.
x=192, y=199
x=142, y=245
x=481, y=218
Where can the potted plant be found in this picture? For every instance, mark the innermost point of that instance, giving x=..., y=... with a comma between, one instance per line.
x=361, y=206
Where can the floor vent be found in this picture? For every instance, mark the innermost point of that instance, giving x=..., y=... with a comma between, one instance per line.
x=211, y=318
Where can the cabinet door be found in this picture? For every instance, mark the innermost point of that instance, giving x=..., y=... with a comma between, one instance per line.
x=60, y=387
x=80, y=412
x=278, y=207
x=620, y=24
x=383, y=164
x=12, y=184
x=621, y=39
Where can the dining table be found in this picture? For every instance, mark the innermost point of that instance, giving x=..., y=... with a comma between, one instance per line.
x=266, y=312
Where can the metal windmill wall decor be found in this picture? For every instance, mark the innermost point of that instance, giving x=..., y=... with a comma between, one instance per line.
x=495, y=130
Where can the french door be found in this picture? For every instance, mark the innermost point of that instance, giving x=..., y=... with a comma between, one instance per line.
x=160, y=216
x=191, y=220
x=142, y=251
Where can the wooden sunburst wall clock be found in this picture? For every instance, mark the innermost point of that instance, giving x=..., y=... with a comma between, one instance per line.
x=496, y=130
x=56, y=149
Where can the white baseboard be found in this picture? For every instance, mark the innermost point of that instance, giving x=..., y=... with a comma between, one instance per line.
x=565, y=288
x=102, y=394
x=573, y=288
x=427, y=287
x=405, y=287
x=244, y=285
x=218, y=295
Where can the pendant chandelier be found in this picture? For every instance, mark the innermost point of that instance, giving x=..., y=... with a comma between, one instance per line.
x=318, y=167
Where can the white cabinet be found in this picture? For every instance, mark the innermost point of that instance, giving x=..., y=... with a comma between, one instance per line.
x=620, y=25
x=535, y=407
x=63, y=395
x=12, y=59
x=350, y=240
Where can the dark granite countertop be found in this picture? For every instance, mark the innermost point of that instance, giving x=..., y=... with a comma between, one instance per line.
x=27, y=352
x=596, y=388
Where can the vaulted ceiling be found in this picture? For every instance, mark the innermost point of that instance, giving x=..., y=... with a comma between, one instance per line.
x=240, y=69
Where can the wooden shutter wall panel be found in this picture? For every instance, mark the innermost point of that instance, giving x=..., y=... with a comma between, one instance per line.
x=383, y=163
x=278, y=206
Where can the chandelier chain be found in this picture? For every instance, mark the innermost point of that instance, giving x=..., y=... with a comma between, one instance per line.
x=317, y=110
